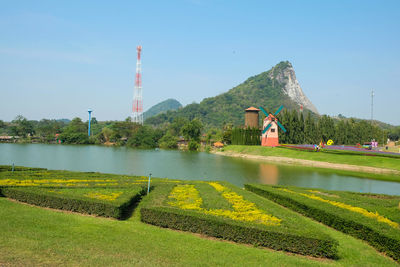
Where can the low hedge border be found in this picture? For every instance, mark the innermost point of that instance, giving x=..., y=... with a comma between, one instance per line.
x=76, y=205
x=5, y=168
x=346, y=225
x=224, y=228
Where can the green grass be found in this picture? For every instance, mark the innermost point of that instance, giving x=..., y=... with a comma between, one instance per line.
x=36, y=236
x=345, y=158
x=352, y=213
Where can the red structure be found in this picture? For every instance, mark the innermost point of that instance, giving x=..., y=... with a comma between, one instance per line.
x=137, y=107
x=269, y=135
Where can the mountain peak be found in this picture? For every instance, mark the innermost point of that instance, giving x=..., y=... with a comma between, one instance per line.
x=284, y=73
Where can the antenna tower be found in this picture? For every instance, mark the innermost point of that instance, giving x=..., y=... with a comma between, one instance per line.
x=137, y=107
x=372, y=105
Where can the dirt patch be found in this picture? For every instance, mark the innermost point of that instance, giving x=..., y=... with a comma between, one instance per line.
x=312, y=163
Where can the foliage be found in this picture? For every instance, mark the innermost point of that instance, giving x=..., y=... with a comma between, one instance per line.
x=168, y=141
x=371, y=217
x=166, y=211
x=260, y=90
x=192, y=130
x=88, y=241
x=21, y=127
x=193, y=145
x=145, y=137
x=78, y=200
x=76, y=132
x=249, y=136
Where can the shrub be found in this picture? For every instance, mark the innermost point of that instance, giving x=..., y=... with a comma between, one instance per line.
x=193, y=145
x=351, y=213
x=75, y=201
x=287, y=237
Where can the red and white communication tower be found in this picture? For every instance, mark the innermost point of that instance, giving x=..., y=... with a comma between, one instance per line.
x=137, y=107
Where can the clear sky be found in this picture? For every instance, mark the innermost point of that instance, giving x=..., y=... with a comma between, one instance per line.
x=59, y=58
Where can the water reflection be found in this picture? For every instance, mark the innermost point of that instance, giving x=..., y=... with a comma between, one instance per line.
x=269, y=174
x=183, y=165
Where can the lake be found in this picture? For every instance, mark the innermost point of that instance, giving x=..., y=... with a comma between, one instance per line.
x=182, y=165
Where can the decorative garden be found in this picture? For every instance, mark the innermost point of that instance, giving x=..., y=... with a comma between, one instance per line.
x=263, y=216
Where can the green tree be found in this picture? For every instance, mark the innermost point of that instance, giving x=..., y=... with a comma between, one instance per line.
x=22, y=127
x=192, y=130
x=75, y=133
x=326, y=127
x=168, y=141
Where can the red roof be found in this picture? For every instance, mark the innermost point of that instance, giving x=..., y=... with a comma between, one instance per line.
x=252, y=109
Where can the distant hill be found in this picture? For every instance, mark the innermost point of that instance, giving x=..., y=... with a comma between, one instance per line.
x=164, y=106
x=66, y=121
x=270, y=89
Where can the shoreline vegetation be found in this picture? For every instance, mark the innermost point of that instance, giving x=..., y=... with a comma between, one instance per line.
x=378, y=168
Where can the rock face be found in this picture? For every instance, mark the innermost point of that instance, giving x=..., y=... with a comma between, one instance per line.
x=284, y=74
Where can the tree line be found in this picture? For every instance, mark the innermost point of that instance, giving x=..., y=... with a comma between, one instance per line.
x=313, y=130
x=108, y=132
x=300, y=130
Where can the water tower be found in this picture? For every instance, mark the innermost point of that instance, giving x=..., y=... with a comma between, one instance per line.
x=251, y=118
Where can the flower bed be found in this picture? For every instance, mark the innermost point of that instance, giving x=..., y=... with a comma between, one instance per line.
x=102, y=202
x=371, y=217
x=192, y=206
x=91, y=193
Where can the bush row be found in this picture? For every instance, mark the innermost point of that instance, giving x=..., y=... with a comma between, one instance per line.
x=153, y=212
x=351, y=225
x=81, y=205
x=4, y=168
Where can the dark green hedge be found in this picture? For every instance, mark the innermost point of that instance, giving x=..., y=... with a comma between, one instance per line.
x=212, y=226
x=345, y=224
x=247, y=136
x=71, y=204
x=4, y=168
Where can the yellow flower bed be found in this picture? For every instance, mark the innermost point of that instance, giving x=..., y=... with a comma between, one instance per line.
x=188, y=197
x=362, y=211
x=109, y=197
x=39, y=182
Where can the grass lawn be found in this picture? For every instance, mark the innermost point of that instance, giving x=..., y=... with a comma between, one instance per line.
x=345, y=158
x=37, y=236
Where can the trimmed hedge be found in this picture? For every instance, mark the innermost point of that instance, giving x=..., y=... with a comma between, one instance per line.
x=154, y=211
x=4, y=168
x=371, y=232
x=81, y=205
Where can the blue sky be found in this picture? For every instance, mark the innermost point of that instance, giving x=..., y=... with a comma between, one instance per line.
x=58, y=58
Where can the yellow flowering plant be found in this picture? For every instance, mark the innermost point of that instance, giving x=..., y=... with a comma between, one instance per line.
x=187, y=197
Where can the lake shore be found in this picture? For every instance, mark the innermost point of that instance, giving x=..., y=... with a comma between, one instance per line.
x=310, y=163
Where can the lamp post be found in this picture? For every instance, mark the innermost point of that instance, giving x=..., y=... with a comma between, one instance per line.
x=90, y=118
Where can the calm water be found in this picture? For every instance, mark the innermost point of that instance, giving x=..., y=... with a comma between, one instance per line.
x=182, y=165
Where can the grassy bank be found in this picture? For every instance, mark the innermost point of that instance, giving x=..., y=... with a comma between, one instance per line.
x=343, y=158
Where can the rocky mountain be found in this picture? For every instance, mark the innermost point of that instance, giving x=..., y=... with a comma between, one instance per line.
x=270, y=89
x=291, y=87
x=164, y=106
